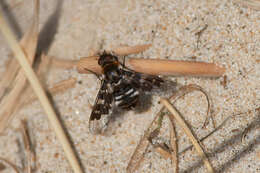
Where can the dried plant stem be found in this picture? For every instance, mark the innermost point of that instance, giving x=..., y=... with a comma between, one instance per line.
x=157, y=67
x=19, y=54
x=188, y=133
x=8, y=77
x=173, y=142
x=30, y=154
x=141, y=148
x=9, y=102
x=138, y=155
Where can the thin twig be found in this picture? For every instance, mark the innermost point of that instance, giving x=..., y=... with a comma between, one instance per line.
x=193, y=87
x=188, y=133
x=199, y=33
x=173, y=142
x=19, y=54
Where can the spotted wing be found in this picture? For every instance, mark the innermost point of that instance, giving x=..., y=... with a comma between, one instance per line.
x=143, y=82
x=101, y=110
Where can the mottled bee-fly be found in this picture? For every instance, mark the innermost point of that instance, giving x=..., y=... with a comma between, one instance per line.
x=120, y=88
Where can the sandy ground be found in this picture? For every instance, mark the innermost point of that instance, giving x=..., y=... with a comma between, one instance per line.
x=71, y=29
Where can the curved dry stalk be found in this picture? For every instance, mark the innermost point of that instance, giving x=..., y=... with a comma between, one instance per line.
x=173, y=142
x=30, y=154
x=193, y=87
x=10, y=164
x=19, y=54
x=188, y=132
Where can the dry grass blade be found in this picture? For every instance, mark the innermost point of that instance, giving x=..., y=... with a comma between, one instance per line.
x=30, y=154
x=8, y=77
x=127, y=50
x=137, y=156
x=209, y=134
x=19, y=54
x=9, y=164
x=254, y=4
x=29, y=43
x=188, y=133
x=141, y=148
x=190, y=88
x=173, y=142
x=216, y=129
x=157, y=67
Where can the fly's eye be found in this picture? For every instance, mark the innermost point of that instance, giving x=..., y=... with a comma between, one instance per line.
x=99, y=61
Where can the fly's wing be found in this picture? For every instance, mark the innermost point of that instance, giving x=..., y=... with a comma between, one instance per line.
x=143, y=82
x=102, y=109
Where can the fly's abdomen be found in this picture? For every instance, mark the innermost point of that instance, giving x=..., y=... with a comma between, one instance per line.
x=125, y=96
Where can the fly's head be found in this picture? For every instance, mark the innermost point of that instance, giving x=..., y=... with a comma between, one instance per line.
x=107, y=59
